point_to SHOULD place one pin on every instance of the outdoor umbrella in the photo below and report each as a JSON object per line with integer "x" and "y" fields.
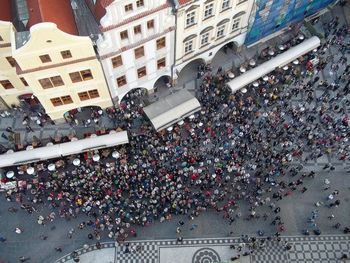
{"x": 30, "y": 170}
{"x": 115, "y": 155}
{"x": 76, "y": 162}
{"x": 51, "y": 167}
{"x": 10, "y": 174}
{"x": 96, "y": 158}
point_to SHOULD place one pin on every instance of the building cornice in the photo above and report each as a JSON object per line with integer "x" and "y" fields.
{"x": 20, "y": 71}
{"x": 136, "y": 17}
{"x": 143, "y": 41}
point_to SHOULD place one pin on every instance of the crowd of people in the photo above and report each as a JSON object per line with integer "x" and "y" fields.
{"x": 246, "y": 146}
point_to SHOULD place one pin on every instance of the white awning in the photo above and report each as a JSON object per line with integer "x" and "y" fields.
{"x": 63, "y": 149}
{"x": 276, "y": 62}
{"x": 172, "y": 109}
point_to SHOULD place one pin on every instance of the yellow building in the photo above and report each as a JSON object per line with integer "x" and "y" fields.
{"x": 11, "y": 85}
{"x": 60, "y": 66}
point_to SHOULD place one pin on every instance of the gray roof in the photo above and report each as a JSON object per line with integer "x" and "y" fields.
{"x": 85, "y": 20}
{"x": 21, "y": 38}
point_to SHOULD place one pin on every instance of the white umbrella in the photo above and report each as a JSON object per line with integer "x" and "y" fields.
{"x": 51, "y": 167}
{"x": 252, "y": 62}
{"x": 265, "y": 78}
{"x": 244, "y": 90}
{"x": 30, "y": 170}
{"x": 49, "y": 144}
{"x": 181, "y": 122}
{"x": 191, "y": 117}
{"x": 296, "y": 62}
{"x": 29, "y": 147}
{"x": 100, "y": 112}
{"x": 170, "y": 128}
{"x": 285, "y": 68}
{"x": 74, "y": 139}
{"x": 76, "y": 162}
{"x": 10, "y": 151}
{"x": 242, "y": 69}
{"x": 115, "y": 155}
{"x": 271, "y": 52}
{"x": 231, "y": 75}
{"x": 10, "y": 174}
{"x": 112, "y": 132}
{"x": 96, "y": 157}
{"x": 301, "y": 37}
{"x": 256, "y": 84}
{"x": 281, "y": 47}
{"x": 200, "y": 124}
{"x": 314, "y": 50}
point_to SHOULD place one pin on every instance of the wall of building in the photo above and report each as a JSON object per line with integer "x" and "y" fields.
{"x": 230, "y": 17}
{"x": 9, "y": 96}
{"x": 47, "y": 40}
{"x": 274, "y": 15}
{"x": 111, "y": 44}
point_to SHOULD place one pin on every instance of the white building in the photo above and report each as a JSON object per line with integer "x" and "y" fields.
{"x": 203, "y": 27}
{"x": 136, "y": 46}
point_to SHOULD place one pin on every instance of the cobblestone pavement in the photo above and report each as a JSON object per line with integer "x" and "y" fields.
{"x": 321, "y": 249}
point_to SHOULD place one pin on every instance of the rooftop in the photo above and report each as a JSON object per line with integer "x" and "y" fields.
{"x": 5, "y": 10}
{"x": 58, "y": 12}
{"x": 84, "y": 19}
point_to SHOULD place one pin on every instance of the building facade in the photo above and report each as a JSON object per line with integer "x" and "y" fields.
{"x": 272, "y": 16}
{"x": 12, "y": 86}
{"x": 203, "y": 27}
{"x": 58, "y": 68}
{"x": 136, "y": 45}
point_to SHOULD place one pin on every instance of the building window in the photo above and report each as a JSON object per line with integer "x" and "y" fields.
{"x": 204, "y": 39}
{"x": 124, "y": 35}
{"x": 11, "y": 61}
{"x": 56, "y": 101}
{"x": 45, "y": 58}
{"x": 225, "y": 4}
{"x": 137, "y": 29}
{"x": 161, "y": 43}
{"x": 6, "y": 84}
{"x": 241, "y": 1}
{"x": 83, "y": 96}
{"x": 139, "y": 52}
{"x": 24, "y": 82}
{"x": 128, "y": 8}
{"x": 86, "y": 95}
{"x": 208, "y": 11}
{"x": 121, "y": 81}
{"x": 117, "y": 61}
{"x": 221, "y": 31}
{"x": 161, "y": 63}
{"x": 66, "y": 54}
{"x": 139, "y": 3}
{"x": 190, "y": 19}
{"x": 150, "y": 24}
{"x": 51, "y": 82}
{"x": 236, "y": 23}
{"x": 188, "y": 46}
{"x": 93, "y": 93}
{"x": 81, "y": 75}
{"x": 66, "y": 99}
{"x": 141, "y": 72}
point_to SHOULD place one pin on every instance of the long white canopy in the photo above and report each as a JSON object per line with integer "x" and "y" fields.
{"x": 276, "y": 62}
{"x": 172, "y": 109}
{"x": 63, "y": 149}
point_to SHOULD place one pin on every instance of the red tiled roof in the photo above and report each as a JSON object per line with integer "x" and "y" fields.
{"x": 5, "y": 10}
{"x": 183, "y": 2}
{"x": 56, "y": 11}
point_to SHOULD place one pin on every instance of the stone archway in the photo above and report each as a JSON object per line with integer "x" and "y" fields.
{"x": 189, "y": 71}
{"x": 162, "y": 84}
{"x": 136, "y": 95}
{"x": 226, "y": 56}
